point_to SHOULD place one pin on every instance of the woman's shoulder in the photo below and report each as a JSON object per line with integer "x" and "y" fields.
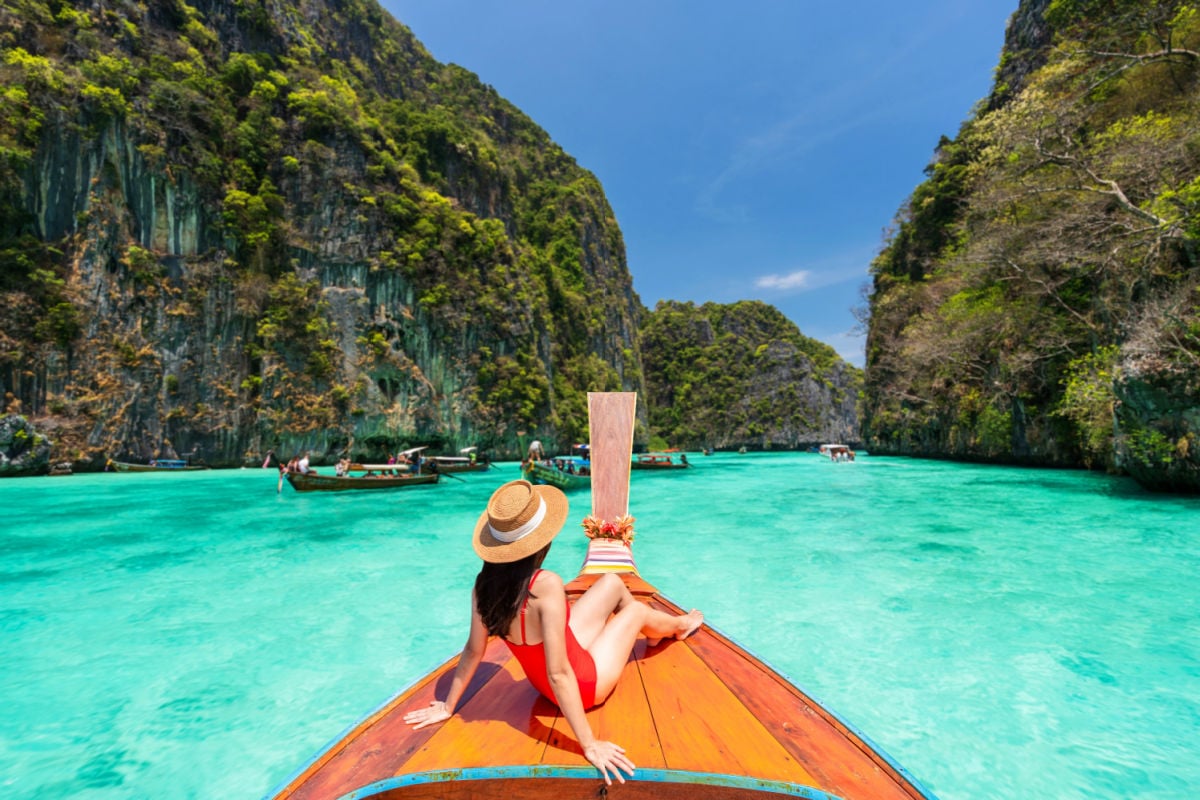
{"x": 547, "y": 580}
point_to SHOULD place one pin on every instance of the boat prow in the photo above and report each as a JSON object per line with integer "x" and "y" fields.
{"x": 700, "y": 717}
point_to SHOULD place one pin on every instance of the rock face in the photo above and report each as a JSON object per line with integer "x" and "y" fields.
{"x": 742, "y": 375}
{"x": 23, "y": 451}
{"x": 1157, "y": 418}
{"x": 1026, "y": 42}
{"x": 226, "y": 228}
{"x": 1039, "y": 299}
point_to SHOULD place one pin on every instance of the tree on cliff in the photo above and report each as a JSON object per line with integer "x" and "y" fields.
{"x": 234, "y": 226}
{"x": 1025, "y": 322}
{"x": 742, "y": 374}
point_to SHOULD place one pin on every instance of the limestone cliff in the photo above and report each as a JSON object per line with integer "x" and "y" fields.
{"x": 1038, "y": 301}
{"x": 742, "y": 375}
{"x": 23, "y": 450}
{"x": 228, "y": 227}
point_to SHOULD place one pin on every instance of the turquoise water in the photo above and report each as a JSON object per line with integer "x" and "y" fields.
{"x": 1000, "y": 632}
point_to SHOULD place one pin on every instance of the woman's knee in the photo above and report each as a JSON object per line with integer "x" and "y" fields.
{"x": 610, "y": 586}
{"x": 611, "y": 582}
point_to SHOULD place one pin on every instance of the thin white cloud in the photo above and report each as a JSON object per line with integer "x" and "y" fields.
{"x": 785, "y": 283}
{"x": 849, "y": 265}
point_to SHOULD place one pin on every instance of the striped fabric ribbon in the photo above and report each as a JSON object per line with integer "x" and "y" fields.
{"x": 608, "y": 555}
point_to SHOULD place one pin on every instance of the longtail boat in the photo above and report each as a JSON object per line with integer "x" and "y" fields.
{"x": 700, "y": 718}
{"x": 566, "y": 472}
{"x": 155, "y": 465}
{"x": 374, "y": 477}
{"x": 836, "y": 452}
{"x": 452, "y": 464}
{"x": 660, "y": 461}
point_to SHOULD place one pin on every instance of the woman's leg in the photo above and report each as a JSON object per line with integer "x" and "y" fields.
{"x": 611, "y": 648}
{"x": 592, "y": 610}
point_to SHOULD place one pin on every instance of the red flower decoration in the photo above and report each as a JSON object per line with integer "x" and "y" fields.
{"x": 620, "y": 529}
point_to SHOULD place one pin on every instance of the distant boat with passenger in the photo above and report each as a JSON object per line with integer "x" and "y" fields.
{"x": 566, "y": 472}
{"x": 837, "y": 452}
{"x": 470, "y": 461}
{"x": 360, "y": 476}
{"x": 668, "y": 460}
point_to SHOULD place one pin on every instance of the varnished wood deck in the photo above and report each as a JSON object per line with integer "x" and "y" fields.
{"x": 702, "y": 715}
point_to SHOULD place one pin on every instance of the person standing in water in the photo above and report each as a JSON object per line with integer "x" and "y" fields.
{"x": 572, "y": 654}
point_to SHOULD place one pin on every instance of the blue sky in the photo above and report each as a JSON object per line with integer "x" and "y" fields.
{"x": 757, "y": 150}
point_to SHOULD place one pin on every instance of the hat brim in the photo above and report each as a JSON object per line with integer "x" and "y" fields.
{"x": 491, "y": 549}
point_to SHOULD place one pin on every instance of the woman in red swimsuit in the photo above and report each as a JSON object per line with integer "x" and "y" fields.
{"x": 573, "y": 655}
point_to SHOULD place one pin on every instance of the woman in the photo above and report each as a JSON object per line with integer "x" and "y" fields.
{"x": 573, "y": 655}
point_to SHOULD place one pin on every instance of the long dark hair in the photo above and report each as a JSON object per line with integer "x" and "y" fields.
{"x": 501, "y": 588}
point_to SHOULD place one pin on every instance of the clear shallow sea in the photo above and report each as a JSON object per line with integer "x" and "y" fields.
{"x": 1002, "y": 633}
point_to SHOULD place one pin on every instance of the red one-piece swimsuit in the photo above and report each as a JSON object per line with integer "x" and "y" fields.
{"x": 533, "y": 660}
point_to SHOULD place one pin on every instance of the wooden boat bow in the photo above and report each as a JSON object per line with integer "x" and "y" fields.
{"x": 700, "y": 718}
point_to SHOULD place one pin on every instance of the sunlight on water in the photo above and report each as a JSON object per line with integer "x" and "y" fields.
{"x": 1000, "y": 632}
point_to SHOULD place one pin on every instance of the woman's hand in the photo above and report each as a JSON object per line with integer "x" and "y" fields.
{"x": 436, "y": 712}
{"x": 606, "y": 756}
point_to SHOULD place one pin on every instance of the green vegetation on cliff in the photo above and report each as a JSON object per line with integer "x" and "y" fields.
{"x": 1038, "y": 299}
{"x": 227, "y": 226}
{"x": 743, "y": 375}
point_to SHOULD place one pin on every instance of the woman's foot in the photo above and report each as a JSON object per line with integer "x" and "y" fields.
{"x": 689, "y": 624}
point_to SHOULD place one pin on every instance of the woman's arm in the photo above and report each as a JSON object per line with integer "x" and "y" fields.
{"x": 468, "y": 662}
{"x": 550, "y": 609}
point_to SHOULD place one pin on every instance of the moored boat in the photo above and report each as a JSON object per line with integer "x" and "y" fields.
{"x": 155, "y": 465}
{"x": 470, "y": 462}
{"x": 566, "y": 472}
{"x": 700, "y": 718}
{"x": 373, "y": 477}
{"x": 660, "y": 461}
{"x": 837, "y": 452}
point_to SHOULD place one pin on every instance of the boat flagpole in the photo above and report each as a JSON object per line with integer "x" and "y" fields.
{"x": 611, "y": 416}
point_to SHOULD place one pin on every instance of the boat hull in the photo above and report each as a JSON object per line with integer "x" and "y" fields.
{"x": 121, "y": 466}
{"x": 332, "y": 483}
{"x": 451, "y": 468}
{"x": 659, "y": 461}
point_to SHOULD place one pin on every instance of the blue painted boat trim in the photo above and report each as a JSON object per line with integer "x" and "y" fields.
{"x": 588, "y": 774}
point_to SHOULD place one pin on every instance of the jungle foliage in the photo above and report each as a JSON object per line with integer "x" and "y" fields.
{"x": 739, "y": 373}
{"x": 279, "y": 115}
{"x": 1045, "y": 271}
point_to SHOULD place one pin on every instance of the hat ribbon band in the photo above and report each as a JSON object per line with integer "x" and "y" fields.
{"x": 508, "y": 537}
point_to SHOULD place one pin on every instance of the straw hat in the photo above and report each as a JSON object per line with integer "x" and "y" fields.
{"x": 520, "y": 520}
